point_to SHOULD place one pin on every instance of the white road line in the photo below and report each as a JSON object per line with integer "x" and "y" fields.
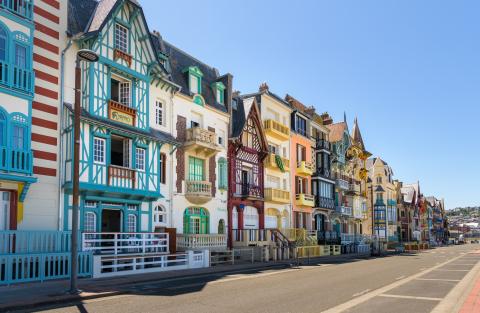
{"x": 409, "y": 297}
{"x": 360, "y": 293}
{"x": 445, "y": 270}
{"x": 401, "y": 277}
{"x": 437, "y": 279}
{"x": 462, "y": 264}
{"x": 361, "y": 299}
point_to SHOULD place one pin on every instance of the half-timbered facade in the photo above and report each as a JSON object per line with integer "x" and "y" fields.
{"x": 120, "y": 151}
{"x": 247, "y": 149}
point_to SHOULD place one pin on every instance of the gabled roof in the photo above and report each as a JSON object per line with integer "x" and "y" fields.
{"x": 299, "y": 106}
{"x": 180, "y": 60}
{"x": 379, "y": 189}
{"x": 356, "y": 135}
{"x": 336, "y": 131}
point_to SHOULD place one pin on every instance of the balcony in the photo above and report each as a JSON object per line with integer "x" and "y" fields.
{"x": 248, "y": 190}
{"x": 201, "y": 241}
{"x": 325, "y": 203}
{"x": 12, "y": 160}
{"x": 354, "y": 187}
{"x": 305, "y": 168}
{"x": 198, "y": 192}
{"x": 121, "y": 113}
{"x": 15, "y": 77}
{"x": 251, "y": 237}
{"x": 276, "y": 162}
{"x": 121, "y": 177}
{"x": 277, "y": 195}
{"x": 202, "y": 142}
{"x": 302, "y": 199}
{"x": 345, "y": 210}
{"x": 323, "y": 171}
{"x": 23, "y": 8}
{"x": 322, "y": 144}
{"x": 276, "y": 130}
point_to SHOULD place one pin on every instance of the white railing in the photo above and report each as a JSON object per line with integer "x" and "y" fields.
{"x": 199, "y": 188}
{"x": 342, "y": 184}
{"x": 108, "y": 266}
{"x": 202, "y": 135}
{"x": 125, "y": 243}
{"x": 197, "y": 241}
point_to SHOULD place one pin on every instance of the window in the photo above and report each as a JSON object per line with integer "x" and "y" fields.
{"x": 194, "y": 84}
{"x": 195, "y": 169}
{"x": 221, "y": 226}
{"x": 3, "y": 129}
{"x": 301, "y": 153}
{"x": 121, "y": 38}
{"x": 220, "y": 95}
{"x": 99, "y": 150}
{"x": 120, "y": 91}
{"x": 379, "y": 179}
{"x": 132, "y": 223}
{"x": 222, "y": 174}
{"x": 196, "y": 221}
{"x": 140, "y": 159}
{"x": 159, "y": 113}
{"x": 18, "y": 137}
{"x": 379, "y": 197}
{"x": 221, "y": 138}
{"x": 20, "y": 56}
{"x": 3, "y": 45}
{"x": 163, "y": 168}
{"x": 159, "y": 214}
{"x": 90, "y": 222}
{"x": 300, "y": 125}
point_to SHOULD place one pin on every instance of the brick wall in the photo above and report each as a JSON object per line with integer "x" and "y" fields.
{"x": 212, "y": 165}
{"x": 181, "y": 137}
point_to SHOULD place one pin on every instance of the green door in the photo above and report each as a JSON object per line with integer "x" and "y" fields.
{"x": 196, "y": 221}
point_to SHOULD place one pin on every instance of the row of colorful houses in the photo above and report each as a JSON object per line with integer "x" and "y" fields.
{"x": 167, "y": 145}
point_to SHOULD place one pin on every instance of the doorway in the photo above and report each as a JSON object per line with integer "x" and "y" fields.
{"x": 5, "y": 210}
{"x": 120, "y": 151}
{"x": 111, "y": 221}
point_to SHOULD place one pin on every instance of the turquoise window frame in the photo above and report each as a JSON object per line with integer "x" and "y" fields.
{"x": 199, "y": 213}
{"x": 194, "y": 72}
{"x": 219, "y": 89}
{"x": 222, "y": 174}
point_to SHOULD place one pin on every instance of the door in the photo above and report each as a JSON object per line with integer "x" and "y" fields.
{"x": 250, "y": 215}
{"x": 111, "y": 221}
{"x": 271, "y": 221}
{"x": 5, "y": 210}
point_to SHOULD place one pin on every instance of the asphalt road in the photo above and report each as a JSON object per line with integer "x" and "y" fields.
{"x": 401, "y": 283}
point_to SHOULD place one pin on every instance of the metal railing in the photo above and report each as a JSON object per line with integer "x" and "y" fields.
{"x": 125, "y": 243}
{"x": 322, "y": 144}
{"x": 327, "y": 203}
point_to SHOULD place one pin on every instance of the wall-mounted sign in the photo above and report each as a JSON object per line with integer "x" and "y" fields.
{"x": 121, "y": 117}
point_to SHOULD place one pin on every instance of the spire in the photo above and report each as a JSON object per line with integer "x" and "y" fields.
{"x": 356, "y": 135}
{"x": 345, "y": 117}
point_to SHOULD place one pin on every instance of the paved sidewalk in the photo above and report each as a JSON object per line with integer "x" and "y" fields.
{"x": 472, "y": 302}
{"x": 29, "y": 295}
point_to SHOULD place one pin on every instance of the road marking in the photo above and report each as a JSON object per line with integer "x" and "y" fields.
{"x": 361, "y": 299}
{"x": 401, "y": 277}
{"x": 438, "y": 279}
{"x": 360, "y": 293}
{"x": 463, "y": 264}
{"x": 445, "y": 270}
{"x": 409, "y": 297}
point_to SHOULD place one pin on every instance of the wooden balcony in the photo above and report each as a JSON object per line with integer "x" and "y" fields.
{"x": 277, "y": 195}
{"x": 276, "y": 130}
{"x": 121, "y": 113}
{"x": 198, "y": 192}
{"x": 202, "y": 142}
{"x": 276, "y": 162}
{"x": 302, "y": 199}
{"x": 119, "y": 54}
{"x": 201, "y": 241}
{"x": 121, "y": 177}
{"x": 305, "y": 168}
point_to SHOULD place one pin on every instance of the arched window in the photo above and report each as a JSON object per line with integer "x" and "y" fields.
{"x": 132, "y": 223}
{"x": 196, "y": 221}
{"x": 19, "y": 131}
{"x": 3, "y": 45}
{"x": 222, "y": 174}
{"x": 3, "y": 129}
{"x": 221, "y": 226}
{"x": 90, "y": 222}
{"x": 159, "y": 215}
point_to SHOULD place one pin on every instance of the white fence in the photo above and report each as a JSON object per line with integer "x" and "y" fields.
{"x": 116, "y": 265}
{"x": 201, "y": 241}
{"x": 125, "y": 243}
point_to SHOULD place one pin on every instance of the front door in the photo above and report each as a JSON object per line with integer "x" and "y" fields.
{"x": 4, "y": 210}
{"x": 111, "y": 221}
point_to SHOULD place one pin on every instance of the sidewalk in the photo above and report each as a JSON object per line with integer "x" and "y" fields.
{"x": 472, "y": 302}
{"x": 29, "y": 295}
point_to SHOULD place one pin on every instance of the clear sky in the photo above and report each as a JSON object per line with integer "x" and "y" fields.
{"x": 410, "y": 71}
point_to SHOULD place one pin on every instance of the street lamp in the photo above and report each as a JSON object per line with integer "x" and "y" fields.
{"x": 88, "y": 56}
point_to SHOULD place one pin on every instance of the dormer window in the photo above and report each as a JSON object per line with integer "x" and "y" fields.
{"x": 121, "y": 38}
{"x": 194, "y": 79}
{"x": 219, "y": 89}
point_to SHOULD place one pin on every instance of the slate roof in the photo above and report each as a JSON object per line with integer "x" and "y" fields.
{"x": 102, "y": 11}
{"x": 258, "y": 97}
{"x": 80, "y": 12}
{"x": 336, "y": 131}
{"x": 238, "y": 117}
{"x": 153, "y": 134}
{"x": 180, "y": 60}
{"x": 356, "y": 135}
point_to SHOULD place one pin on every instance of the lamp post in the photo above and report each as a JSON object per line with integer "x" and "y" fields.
{"x": 88, "y": 56}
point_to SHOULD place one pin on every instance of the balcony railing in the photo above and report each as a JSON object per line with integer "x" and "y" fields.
{"x": 328, "y": 237}
{"x": 276, "y": 162}
{"x": 198, "y": 192}
{"x": 202, "y": 141}
{"x": 305, "y": 168}
{"x": 23, "y": 8}
{"x": 13, "y": 160}
{"x": 354, "y": 187}
{"x": 325, "y": 203}
{"x": 247, "y": 190}
{"x": 303, "y": 199}
{"x": 247, "y": 237}
{"x": 16, "y": 77}
{"x": 121, "y": 177}
{"x": 276, "y": 129}
{"x": 322, "y": 144}
{"x": 345, "y": 210}
{"x": 324, "y": 172}
{"x": 277, "y": 195}
{"x": 201, "y": 241}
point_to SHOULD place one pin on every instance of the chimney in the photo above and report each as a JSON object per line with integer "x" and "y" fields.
{"x": 310, "y": 110}
{"x": 326, "y": 118}
{"x": 235, "y": 94}
{"x": 263, "y": 87}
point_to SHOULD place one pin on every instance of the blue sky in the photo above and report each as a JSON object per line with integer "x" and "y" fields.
{"x": 410, "y": 71}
